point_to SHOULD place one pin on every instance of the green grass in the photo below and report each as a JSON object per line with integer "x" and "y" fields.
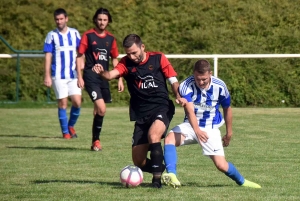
{"x": 37, "y": 164}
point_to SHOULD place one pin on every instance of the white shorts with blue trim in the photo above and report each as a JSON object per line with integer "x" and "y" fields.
{"x": 64, "y": 88}
{"x": 213, "y": 146}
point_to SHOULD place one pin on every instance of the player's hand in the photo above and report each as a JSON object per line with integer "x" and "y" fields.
{"x": 181, "y": 101}
{"x": 202, "y": 136}
{"x": 48, "y": 81}
{"x": 226, "y": 140}
{"x": 120, "y": 85}
{"x": 98, "y": 68}
{"x": 80, "y": 83}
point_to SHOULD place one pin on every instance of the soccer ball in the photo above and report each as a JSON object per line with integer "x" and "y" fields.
{"x": 131, "y": 176}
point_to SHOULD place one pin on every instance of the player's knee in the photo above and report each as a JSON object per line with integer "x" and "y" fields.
{"x": 170, "y": 138}
{"x": 223, "y": 167}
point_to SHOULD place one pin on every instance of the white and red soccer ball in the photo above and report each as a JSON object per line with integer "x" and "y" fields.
{"x": 131, "y": 176}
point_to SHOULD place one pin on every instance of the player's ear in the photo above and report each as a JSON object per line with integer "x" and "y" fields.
{"x": 143, "y": 47}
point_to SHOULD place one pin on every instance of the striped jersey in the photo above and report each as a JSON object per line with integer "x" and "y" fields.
{"x": 63, "y": 47}
{"x": 206, "y": 101}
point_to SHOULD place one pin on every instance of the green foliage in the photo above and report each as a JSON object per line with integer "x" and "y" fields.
{"x": 172, "y": 27}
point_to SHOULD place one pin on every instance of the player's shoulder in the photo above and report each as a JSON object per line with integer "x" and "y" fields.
{"x": 217, "y": 81}
{"x": 53, "y": 31}
{"x": 90, "y": 31}
{"x": 109, "y": 34}
{"x": 153, "y": 53}
{"x": 188, "y": 81}
{"x": 73, "y": 29}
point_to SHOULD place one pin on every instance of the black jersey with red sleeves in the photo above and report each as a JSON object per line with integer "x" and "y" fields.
{"x": 146, "y": 83}
{"x": 97, "y": 50}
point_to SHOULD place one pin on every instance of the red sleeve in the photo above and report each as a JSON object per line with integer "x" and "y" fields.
{"x": 83, "y": 44}
{"x": 114, "y": 49}
{"x": 167, "y": 68}
{"x": 121, "y": 67}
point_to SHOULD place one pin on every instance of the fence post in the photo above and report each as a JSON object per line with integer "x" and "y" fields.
{"x": 216, "y": 66}
{"x": 18, "y": 77}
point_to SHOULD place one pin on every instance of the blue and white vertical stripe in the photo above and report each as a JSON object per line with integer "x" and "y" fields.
{"x": 206, "y": 101}
{"x": 63, "y": 47}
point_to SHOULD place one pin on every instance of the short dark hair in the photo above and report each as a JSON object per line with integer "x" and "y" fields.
{"x": 60, "y": 11}
{"x": 131, "y": 39}
{"x": 202, "y": 66}
{"x": 102, "y": 11}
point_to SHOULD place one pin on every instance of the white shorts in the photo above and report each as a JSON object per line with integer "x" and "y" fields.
{"x": 213, "y": 146}
{"x": 65, "y": 87}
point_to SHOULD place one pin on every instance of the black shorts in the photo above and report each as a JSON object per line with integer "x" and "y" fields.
{"x": 96, "y": 92}
{"x": 141, "y": 126}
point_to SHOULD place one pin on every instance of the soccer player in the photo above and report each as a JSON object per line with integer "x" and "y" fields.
{"x": 60, "y": 50}
{"x": 96, "y": 46}
{"x": 150, "y": 107}
{"x": 202, "y": 95}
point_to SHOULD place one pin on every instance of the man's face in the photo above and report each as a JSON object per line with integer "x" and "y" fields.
{"x": 61, "y": 21}
{"x": 135, "y": 53}
{"x": 202, "y": 79}
{"x": 101, "y": 22}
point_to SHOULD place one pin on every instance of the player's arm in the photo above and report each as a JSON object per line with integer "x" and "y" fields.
{"x": 189, "y": 111}
{"x": 228, "y": 122}
{"x": 115, "y": 62}
{"x": 107, "y": 75}
{"x": 47, "y": 66}
{"x": 79, "y": 66}
{"x": 170, "y": 74}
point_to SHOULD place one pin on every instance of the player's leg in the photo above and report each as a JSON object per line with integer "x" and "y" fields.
{"x": 140, "y": 147}
{"x": 75, "y": 96}
{"x": 60, "y": 88}
{"x": 95, "y": 94}
{"x": 99, "y": 113}
{"x": 156, "y": 132}
{"x": 232, "y": 172}
{"x": 214, "y": 149}
{"x": 179, "y": 135}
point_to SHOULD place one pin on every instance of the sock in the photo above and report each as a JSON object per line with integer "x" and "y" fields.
{"x": 97, "y": 126}
{"x": 147, "y": 167}
{"x": 234, "y": 174}
{"x": 170, "y": 158}
{"x": 63, "y": 120}
{"x": 74, "y": 114}
{"x": 156, "y": 156}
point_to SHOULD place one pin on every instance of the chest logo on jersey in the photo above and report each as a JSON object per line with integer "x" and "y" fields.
{"x": 150, "y": 67}
{"x": 203, "y": 106}
{"x": 146, "y": 82}
{"x": 101, "y": 54}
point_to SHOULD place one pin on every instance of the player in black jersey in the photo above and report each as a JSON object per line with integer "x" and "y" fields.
{"x": 96, "y": 46}
{"x": 150, "y": 107}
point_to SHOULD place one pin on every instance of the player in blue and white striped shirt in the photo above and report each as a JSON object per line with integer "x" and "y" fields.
{"x": 60, "y": 50}
{"x": 202, "y": 95}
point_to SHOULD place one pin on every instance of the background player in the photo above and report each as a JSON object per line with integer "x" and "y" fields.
{"x": 96, "y": 46}
{"x": 60, "y": 50}
{"x": 150, "y": 107}
{"x": 202, "y": 95}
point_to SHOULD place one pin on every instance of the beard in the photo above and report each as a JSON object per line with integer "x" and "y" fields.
{"x": 101, "y": 27}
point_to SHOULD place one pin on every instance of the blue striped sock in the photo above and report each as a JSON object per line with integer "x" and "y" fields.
{"x": 234, "y": 174}
{"x": 74, "y": 114}
{"x": 63, "y": 120}
{"x": 170, "y": 156}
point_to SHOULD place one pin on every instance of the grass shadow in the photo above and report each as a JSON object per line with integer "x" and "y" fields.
{"x": 117, "y": 185}
{"x": 194, "y": 184}
{"x": 30, "y": 136}
{"x": 45, "y": 148}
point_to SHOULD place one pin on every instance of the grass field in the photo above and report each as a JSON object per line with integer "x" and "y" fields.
{"x": 37, "y": 164}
